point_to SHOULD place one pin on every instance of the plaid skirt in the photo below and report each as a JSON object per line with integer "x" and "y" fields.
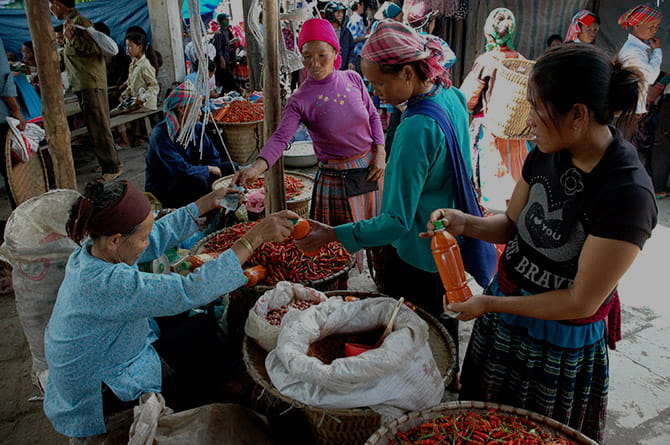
{"x": 330, "y": 204}
{"x": 503, "y": 364}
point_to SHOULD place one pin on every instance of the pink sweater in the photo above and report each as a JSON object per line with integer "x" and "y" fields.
{"x": 338, "y": 114}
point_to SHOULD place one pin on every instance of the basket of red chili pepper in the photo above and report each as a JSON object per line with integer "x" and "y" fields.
{"x": 323, "y": 426}
{"x": 242, "y": 125}
{"x": 283, "y": 260}
{"x": 298, "y": 189}
{"x": 470, "y": 422}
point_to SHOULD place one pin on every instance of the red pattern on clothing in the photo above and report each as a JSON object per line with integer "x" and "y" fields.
{"x": 610, "y": 309}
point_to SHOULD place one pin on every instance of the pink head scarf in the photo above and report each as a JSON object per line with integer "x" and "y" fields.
{"x": 393, "y": 43}
{"x": 321, "y": 30}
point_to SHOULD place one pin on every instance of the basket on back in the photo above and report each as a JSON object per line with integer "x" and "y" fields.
{"x": 508, "y": 107}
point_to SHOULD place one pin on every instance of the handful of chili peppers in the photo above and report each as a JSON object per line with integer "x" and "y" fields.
{"x": 283, "y": 260}
{"x": 292, "y": 185}
{"x": 489, "y": 428}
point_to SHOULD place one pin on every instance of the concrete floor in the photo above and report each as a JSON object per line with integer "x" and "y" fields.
{"x": 639, "y": 405}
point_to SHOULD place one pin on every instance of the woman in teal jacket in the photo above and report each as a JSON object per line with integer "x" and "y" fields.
{"x": 428, "y": 165}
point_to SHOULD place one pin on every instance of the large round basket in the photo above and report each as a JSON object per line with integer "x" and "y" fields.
{"x": 243, "y": 140}
{"x": 299, "y": 204}
{"x": 508, "y": 107}
{"x": 340, "y": 426}
{"x": 387, "y": 433}
{"x": 323, "y": 284}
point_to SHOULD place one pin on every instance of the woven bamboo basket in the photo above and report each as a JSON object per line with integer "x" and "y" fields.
{"x": 26, "y": 180}
{"x": 341, "y": 426}
{"x": 299, "y": 204}
{"x": 323, "y": 284}
{"x": 386, "y": 433}
{"x": 243, "y": 140}
{"x": 508, "y": 108}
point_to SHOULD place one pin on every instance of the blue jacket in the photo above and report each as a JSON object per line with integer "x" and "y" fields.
{"x": 346, "y": 47}
{"x": 167, "y": 160}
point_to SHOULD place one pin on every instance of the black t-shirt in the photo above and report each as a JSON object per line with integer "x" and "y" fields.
{"x": 565, "y": 205}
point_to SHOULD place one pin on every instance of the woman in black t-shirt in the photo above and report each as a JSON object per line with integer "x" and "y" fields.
{"x": 578, "y": 218}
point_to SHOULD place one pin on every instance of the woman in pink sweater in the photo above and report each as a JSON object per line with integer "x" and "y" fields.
{"x": 345, "y": 128}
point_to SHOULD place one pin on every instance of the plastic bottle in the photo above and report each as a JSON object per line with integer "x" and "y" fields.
{"x": 255, "y": 274}
{"x": 302, "y": 229}
{"x": 449, "y": 263}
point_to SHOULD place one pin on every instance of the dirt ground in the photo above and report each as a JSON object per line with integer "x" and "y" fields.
{"x": 639, "y": 408}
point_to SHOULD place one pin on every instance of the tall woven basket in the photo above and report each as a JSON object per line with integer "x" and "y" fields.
{"x": 243, "y": 140}
{"x": 299, "y": 204}
{"x": 28, "y": 179}
{"x": 508, "y": 108}
{"x": 338, "y": 426}
{"x": 387, "y": 433}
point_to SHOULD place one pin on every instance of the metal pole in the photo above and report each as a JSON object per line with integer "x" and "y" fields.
{"x": 275, "y": 196}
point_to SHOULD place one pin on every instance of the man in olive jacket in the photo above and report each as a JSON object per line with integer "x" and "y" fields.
{"x": 85, "y": 65}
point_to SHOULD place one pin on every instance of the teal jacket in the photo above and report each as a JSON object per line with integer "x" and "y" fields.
{"x": 418, "y": 181}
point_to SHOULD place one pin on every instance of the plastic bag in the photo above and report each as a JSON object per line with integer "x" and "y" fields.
{"x": 258, "y": 327}
{"x": 26, "y": 142}
{"x": 400, "y": 375}
{"x": 216, "y": 423}
{"x": 106, "y": 44}
{"x": 37, "y": 247}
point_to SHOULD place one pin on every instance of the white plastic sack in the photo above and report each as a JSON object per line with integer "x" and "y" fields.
{"x": 37, "y": 247}
{"x": 218, "y": 423}
{"x": 106, "y": 44}
{"x": 400, "y": 375}
{"x": 26, "y": 142}
{"x": 258, "y": 327}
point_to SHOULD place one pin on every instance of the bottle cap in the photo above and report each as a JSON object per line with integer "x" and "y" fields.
{"x": 438, "y": 225}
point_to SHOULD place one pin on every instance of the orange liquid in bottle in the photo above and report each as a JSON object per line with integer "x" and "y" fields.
{"x": 449, "y": 263}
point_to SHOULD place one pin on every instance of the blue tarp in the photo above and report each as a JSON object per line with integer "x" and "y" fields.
{"x": 207, "y": 7}
{"x": 118, "y": 15}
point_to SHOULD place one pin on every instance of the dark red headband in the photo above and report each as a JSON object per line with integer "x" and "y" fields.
{"x": 121, "y": 217}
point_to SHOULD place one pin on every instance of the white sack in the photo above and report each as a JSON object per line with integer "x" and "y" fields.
{"x": 37, "y": 247}
{"x": 258, "y": 327}
{"x": 399, "y": 375}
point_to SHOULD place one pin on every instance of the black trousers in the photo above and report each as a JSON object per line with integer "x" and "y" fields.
{"x": 658, "y": 160}
{"x": 422, "y": 288}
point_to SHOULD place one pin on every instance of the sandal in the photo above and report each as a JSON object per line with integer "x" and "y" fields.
{"x": 661, "y": 195}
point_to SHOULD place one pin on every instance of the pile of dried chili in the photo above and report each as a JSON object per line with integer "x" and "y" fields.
{"x": 240, "y": 111}
{"x": 284, "y": 261}
{"x": 292, "y": 185}
{"x": 491, "y": 427}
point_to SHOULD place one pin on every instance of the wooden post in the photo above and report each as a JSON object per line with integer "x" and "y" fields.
{"x": 275, "y": 195}
{"x": 53, "y": 106}
{"x": 166, "y": 29}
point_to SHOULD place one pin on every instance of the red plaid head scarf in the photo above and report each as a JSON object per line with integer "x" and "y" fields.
{"x": 183, "y": 95}
{"x": 583, "y": 17}
{"x": 393, "y": 43}
{"x": 640, "y": 15}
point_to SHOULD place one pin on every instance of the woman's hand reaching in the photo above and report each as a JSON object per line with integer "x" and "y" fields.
{"x": 454, "y": 221}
